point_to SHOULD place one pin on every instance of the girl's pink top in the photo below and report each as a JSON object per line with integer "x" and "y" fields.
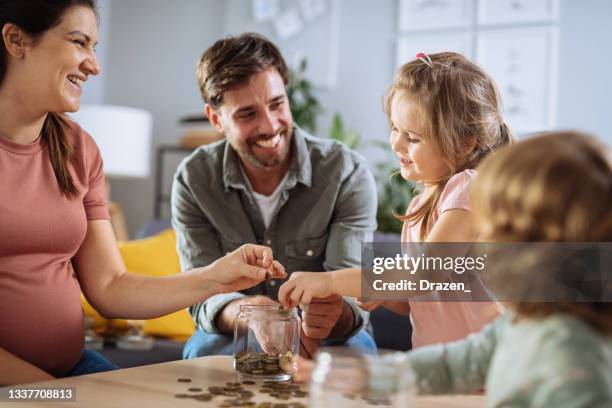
{"x": 439, "y": 321}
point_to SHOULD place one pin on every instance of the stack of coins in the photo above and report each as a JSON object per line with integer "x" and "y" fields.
{"x": 261, "y": 364}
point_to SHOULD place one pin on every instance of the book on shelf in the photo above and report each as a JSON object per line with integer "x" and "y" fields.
{"x": 197, "y": 131}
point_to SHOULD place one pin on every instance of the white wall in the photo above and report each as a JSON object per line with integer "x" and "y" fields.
{"x": 154, "y": 44}
{"x": 95, "y": 86}
{"x": 151, "y": 65}
{"x": 585, "y": 67}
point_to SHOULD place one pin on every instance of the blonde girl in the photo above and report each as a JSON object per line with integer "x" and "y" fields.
{"x": 445, "y": 117}
{"x": 551, "y": 188}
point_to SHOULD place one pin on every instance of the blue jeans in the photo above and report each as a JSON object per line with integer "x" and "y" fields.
{"x": 91, "y": 362}
{"x": 202, "y": 344}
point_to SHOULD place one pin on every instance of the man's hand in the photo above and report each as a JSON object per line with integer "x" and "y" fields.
{"x": 308, "y": 345}
{"x": 399, "y": 307}
{"x": 270, "y": 335}
{"x": 369, "y": 305}
{"x": 320, "y": 316}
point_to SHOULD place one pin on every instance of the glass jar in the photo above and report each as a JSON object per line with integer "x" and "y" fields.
{"x": 266, "y": 337}
{"x": 344, "y": 377}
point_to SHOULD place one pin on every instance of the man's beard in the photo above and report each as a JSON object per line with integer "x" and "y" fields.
{"x": 246, "y": 150}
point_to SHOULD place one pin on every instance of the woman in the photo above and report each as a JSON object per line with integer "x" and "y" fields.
{"x": 55, "y": 234}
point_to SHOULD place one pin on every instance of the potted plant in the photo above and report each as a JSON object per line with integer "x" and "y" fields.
{"x": 305, "y": 107}
{"x": 394, "y": 193}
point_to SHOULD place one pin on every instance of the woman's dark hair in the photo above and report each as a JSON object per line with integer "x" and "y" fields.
{"x": 35, "y": 17}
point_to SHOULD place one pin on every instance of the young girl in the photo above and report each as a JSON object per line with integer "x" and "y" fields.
{"x": 445, "y": 117}
{"x": 556, "y": 187}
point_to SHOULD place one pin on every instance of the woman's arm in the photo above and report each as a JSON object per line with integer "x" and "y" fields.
{"x": 116, "y": 293}
{"x": 17, "y": 371}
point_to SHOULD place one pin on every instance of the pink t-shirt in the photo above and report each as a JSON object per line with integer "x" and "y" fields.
{"x": 40, "y": 231}
{"x": 438, "y": 322}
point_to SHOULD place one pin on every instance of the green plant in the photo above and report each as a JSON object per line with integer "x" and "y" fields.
{"x": 338, "y": 132}
{"x": 394, "y": 193}
{"x": 305, "y": 107}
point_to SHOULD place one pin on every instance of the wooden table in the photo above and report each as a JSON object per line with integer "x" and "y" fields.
{"x": 155, "y": 385}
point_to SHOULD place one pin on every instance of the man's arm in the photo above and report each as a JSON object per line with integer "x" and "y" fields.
{"x": 353, "y": 222}
{"x": 198, "y": 245}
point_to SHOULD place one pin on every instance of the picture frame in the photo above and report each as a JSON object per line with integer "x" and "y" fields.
{"x": 418, "y": 15}
{"x": 317, "y": 41}
{"x": 523, "y": 62}
{"x": 499, "y": 12}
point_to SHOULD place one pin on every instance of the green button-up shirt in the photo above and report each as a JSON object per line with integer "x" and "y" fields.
{"x": 327, "y": 208}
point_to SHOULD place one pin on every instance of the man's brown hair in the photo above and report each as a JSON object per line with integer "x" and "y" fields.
{"x": 232, "y": 61}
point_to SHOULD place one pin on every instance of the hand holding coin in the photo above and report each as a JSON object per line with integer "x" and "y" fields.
{"x": 244, "y": 268}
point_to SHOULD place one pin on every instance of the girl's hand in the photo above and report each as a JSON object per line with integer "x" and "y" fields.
{"x": 244, "y": 268}
{"x": 302, "y": 287}
{"x": 370, "y": 305}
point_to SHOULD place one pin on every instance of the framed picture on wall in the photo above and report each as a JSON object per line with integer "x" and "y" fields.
{"x": 409, "y": 46}
{"x": 308, "y": 29}
{"x": 523, "y": 63}
{"x": 492, "y": 12}
{"x": 417, "y": 15}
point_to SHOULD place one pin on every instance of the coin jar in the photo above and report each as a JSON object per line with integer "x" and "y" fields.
{"x": 346, "y": 377}
{"x": 266, "y": 337}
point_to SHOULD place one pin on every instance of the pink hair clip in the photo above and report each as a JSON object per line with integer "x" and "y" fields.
{"x": 425, "y": 58}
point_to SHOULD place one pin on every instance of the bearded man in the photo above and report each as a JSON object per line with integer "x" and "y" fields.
{"x": 313, "y": 201}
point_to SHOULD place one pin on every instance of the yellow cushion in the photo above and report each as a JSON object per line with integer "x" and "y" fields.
{"x": 154, "y": 256}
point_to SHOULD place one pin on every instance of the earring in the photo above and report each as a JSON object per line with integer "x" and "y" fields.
{"x": 20, "y": 52}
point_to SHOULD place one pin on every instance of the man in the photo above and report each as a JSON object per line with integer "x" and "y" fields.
{"x": 311, "y": 200}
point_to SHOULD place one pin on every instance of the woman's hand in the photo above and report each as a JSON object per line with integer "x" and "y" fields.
{"x": 302, "y": 287}
{"x": 244, "y": 268}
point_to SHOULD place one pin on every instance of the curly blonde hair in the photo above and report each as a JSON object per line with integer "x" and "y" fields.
{"x": 554, "y": 187}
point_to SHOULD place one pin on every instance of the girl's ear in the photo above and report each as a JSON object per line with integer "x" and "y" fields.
{"x": 469, "y": 146}
{"x": 15, "y": 40}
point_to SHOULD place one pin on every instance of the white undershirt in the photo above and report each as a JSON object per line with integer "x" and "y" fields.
{"x": 267, "y": 204}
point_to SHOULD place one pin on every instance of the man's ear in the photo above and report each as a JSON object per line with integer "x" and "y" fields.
{"x": 15, "y": 40}
{"x": 214, "y": 117}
